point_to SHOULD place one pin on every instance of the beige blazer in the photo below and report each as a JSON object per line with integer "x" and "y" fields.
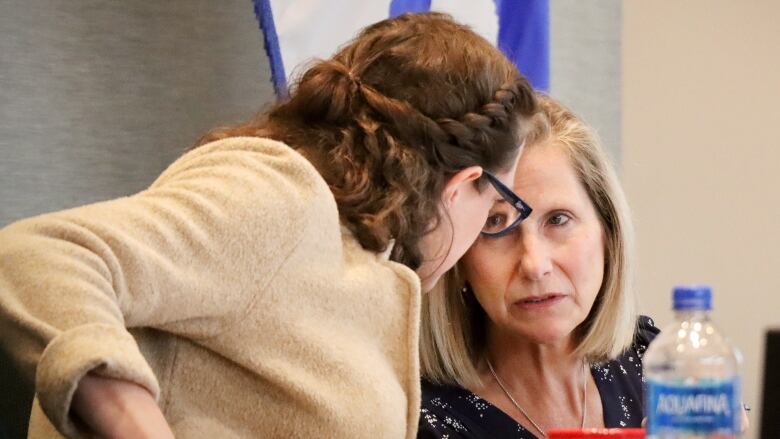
{"x": 230, "y": 291}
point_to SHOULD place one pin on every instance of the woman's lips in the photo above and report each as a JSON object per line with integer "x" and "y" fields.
{"x": 541, "y": 301}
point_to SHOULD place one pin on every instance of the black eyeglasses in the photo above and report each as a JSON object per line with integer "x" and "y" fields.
{"x": 503, "y": 218}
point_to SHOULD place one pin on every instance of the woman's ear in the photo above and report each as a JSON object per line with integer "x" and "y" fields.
{"x": 460, "y": 184}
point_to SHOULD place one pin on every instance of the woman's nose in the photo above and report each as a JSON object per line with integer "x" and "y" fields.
{"x": 535, "y": 258}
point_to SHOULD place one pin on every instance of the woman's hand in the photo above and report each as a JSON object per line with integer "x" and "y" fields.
{"x": 118, "y": 409}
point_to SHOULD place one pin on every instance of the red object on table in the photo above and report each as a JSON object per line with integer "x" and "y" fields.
{"x": 596, "y": 433}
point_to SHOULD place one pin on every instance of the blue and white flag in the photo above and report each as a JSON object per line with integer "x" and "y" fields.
{"x": 297, "y": 31}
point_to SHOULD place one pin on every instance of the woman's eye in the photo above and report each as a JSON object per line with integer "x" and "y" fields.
{"x": 495, "y": 222}
{"x": 559, "y": 219}
{"x": 500, "y": 217}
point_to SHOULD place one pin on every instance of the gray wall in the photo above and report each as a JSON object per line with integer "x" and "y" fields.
{"x": 585, "y": 63}
{"x": 97, "y": 98}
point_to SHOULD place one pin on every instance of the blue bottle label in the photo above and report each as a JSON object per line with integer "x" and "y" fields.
{"x": 711, "y": 407}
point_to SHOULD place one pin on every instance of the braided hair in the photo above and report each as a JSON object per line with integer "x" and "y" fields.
{"x": 392, "y": 115}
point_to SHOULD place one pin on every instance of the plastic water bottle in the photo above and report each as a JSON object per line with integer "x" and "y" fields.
{"x": 692, "y": 374}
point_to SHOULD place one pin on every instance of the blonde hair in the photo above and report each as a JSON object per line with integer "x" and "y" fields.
{"x": 453, "y": 322}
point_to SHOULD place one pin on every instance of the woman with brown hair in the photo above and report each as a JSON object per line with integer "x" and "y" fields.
{"x": 268, "y": 283}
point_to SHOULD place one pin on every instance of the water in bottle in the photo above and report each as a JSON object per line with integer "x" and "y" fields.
{"x": 692, "y": 374}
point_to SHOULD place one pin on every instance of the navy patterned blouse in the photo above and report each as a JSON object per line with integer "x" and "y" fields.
{"x": 453, "y": 412}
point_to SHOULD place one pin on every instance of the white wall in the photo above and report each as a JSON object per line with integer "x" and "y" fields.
{"x": 701, "y": 160}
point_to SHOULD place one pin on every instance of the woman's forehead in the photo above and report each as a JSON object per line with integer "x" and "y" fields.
{"x": 544, "y": 165}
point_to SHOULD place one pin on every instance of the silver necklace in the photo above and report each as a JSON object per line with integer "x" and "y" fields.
{"x": 536, "y": 426}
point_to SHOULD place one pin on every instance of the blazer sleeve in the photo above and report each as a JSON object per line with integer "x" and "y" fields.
{"x": 184, "y": 256}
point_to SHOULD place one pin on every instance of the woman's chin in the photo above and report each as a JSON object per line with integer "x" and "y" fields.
{"x": 548, "y": 333}
{"x": 550, "y": 339}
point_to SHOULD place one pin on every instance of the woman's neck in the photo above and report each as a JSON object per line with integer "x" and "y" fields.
{"x": 535, "y": 367}
{"x": 548, "y": 382}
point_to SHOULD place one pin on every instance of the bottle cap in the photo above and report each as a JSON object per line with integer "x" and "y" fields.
{"x": 692, "y": 298}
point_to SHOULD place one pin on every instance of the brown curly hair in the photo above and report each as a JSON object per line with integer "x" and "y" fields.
{"x": 392, "y": 115}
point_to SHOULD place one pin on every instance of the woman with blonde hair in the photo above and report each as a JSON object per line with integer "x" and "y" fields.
{"x": 536, "y": 328}
{"x": 268, "y": 283}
